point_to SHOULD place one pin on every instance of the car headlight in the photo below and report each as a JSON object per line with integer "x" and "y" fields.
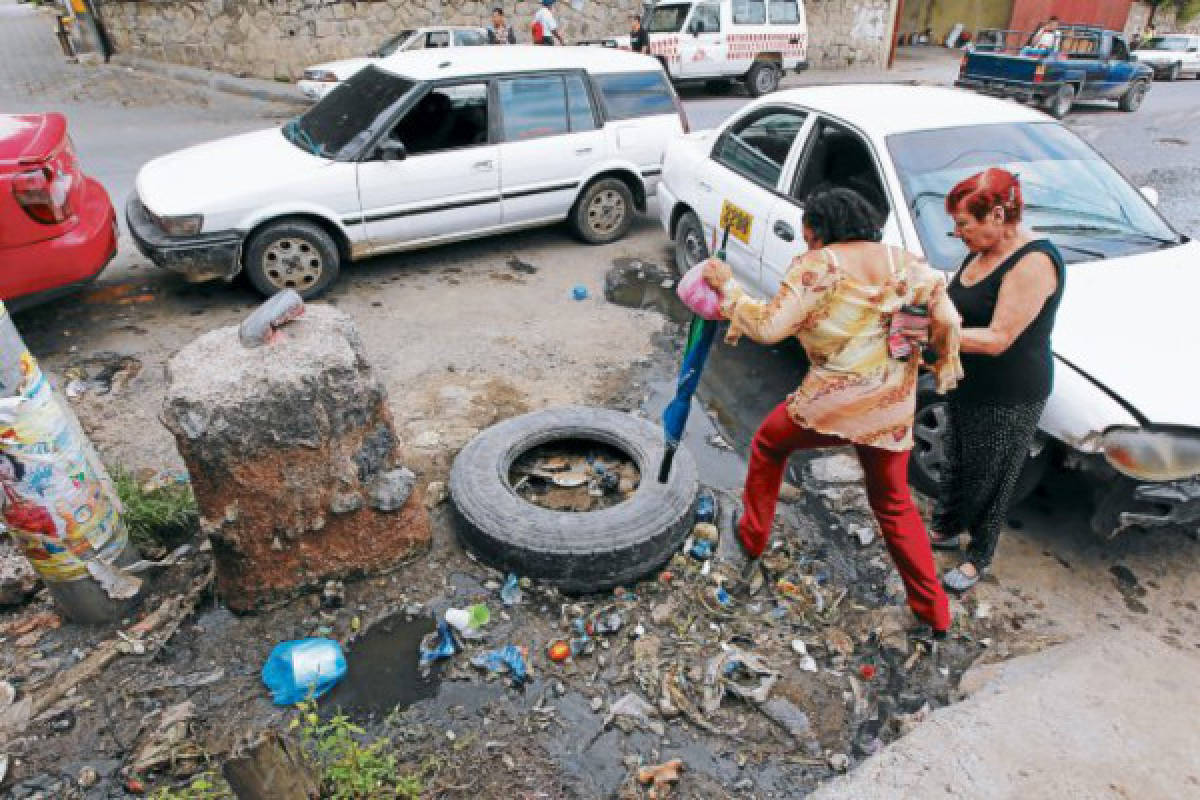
{"x": 185, "y": 225}
{"x": 1153, "y": 455}
{"x": 320, "y": 75}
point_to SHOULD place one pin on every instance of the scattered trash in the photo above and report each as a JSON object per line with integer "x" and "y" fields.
{"x": 660, "y": 777}
{"x": 838, "y": 642}
{"x": 706, "y": 507}
{"x": 135, "y": 786}
{"x": 807, "y": 662}
{"x": 42, "y": 620}
{"x": 333, "y": 595}
{"x": 867, "y": 672}
{"x": 597, "y": 704}
{"x": 510, "y": 659}
{"x": 167, "y": 741}
{"x": 304, "y": 668}
{"x": 437, "y": 644}
{"x": 746, "y": 675}
{"x": 510, "y": 593}
{"x": 982, "y": 611}
{"x": 262, "y": 326}
{"x": 634, "y": 710}
{"x": 468, "y": 621}
{"x": 579, "y": 292}
{"x": 718, "y": 442}
{"x": 784, "y": 714}
{"x": 722, "y": 597}
{"x": 559, "y": 650}
{"x": 839, "y": 762}
{"x": 863, "y": 534}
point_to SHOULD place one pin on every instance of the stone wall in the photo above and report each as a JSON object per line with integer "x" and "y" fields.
{"x": 279, "y": 38}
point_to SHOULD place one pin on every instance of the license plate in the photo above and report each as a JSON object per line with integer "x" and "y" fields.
{"x": 737, "y": 220}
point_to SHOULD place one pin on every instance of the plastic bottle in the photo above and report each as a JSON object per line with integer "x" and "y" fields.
{"x": 706, "y": 507}
{"x": 303, "y": 668}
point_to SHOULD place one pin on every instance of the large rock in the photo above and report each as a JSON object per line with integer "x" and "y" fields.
{"x": 292, "y": 455}
{"x": 17, "y": 578}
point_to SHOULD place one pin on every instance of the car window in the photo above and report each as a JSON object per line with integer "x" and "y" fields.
{"x": 533, "y": 107}
{"x": 392, "y": 44}
{"x": 1080, "y": 46}
{"x": 447, "y": 118}
{"x": 757, "y": 145}
{"x": 838, "y": 158}
{"x": 1072, "y": 195}
{"x": 668, "y": 19}
{"x": 707, "y": 19}
{"x": 749, "y": 12}
{"x": 469, "y": 38}
{"x": 339, "y": 125}
{"x": 437, "y": 39}
{"x": 628, "y": 95}
{"x": 1167, "y": 43}
{"x": 1119, "y": 51}
{"x": 579, "y": 105}
{"x": 783, "y": 12}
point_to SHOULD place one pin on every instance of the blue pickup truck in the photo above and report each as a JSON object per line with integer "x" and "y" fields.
{"x": 1082, "y": 63}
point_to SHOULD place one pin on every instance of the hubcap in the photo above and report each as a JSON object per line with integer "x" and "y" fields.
{"x": 929, "y": 431}
{"x": 292, "y": 263}
{"x": 766, "y": 80}
{"x": 694, "y": 250}
{"x": 606, "y": 211}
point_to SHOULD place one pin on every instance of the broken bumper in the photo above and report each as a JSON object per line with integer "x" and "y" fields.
{"x": 203, "y": 257}
{"x": 1128, "y": 504}
{"x": 1017, "y": 90}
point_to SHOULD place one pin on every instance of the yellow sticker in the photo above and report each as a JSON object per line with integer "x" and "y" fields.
{"x": 737, "y": 220}
{"x": 80, "y": 6}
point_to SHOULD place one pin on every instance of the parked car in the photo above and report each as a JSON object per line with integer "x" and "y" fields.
{"x": 58, "y": 229}
{"x": 753, "y": 41}
{"x": 1122, "y": 409}
{"x": 318, "y": 80}
{"x": 415, "y": 150}
{"x": 1088, "y": 64}
{"x": 1172, "y": 57}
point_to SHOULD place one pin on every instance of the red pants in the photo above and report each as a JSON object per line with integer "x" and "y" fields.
{"x": 887, "y": 492}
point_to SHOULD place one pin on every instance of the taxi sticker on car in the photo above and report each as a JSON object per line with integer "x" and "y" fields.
{"x": 737, "y": 221}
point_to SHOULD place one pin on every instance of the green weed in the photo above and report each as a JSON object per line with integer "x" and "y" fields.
{"x": 205, "y": 786}
{"x": 162, "y": 517}
{"x": 351, "y": 766}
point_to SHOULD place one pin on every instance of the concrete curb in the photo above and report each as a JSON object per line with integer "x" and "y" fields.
{"x": 254, "y": 88}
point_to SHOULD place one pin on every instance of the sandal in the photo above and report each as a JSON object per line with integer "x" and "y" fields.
{"x": 947, "y": 542}
{"x": 958, "y": 581}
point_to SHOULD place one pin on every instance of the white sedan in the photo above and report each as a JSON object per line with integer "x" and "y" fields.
{"x": 320, "y": 79}
{"x": 1124, "y": 406}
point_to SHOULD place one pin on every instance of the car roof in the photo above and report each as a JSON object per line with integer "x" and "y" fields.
{"x": 886, "y": 109}
{"x": 466, "y": 61}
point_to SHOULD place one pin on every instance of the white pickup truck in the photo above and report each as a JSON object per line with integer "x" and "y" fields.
{"x": 754, "y": 41}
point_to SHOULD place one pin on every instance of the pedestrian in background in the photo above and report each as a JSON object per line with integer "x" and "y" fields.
{"x": 545, "y": 27}
{"x": 1007, "y": 292}
{"x": 639, "y": 40}
{"x": 499, "y": 32}
{"x": 839, "y": 300}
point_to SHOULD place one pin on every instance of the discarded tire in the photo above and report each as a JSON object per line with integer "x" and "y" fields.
{"x": 577, "y": 552}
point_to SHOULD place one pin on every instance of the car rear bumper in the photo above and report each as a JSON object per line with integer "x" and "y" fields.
{"x": 1128, "y": 504}
{"x": 203, "y": 257}
{"x": 999, "y": 87}
{"x": 58, "y": 266}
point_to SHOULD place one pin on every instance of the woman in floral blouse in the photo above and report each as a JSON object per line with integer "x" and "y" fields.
{"x": 838, "y": 300}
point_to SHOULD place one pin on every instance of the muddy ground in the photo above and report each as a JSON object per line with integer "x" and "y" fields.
{"x": 509, "y": 338}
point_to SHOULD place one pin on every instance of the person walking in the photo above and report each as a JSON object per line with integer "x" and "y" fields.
{"x": 639, "y": 40}
{"x": 545, "y": 27}
{"x": 838, "y": 300}
{"x": 499, "y": 31}
{"x": 1007, "y": 291}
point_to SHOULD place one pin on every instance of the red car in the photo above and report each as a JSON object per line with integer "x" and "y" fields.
{"x": 58, "y": 229}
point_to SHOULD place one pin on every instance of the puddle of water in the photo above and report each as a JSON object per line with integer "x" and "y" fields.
{"x": 382, "y": 669}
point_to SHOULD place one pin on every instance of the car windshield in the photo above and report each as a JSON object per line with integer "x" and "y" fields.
{"x": 337, "y": 126}
{"x": 1176, "y": 43}
{"x": 392, "y": 44}
{"x": 1072, "y": 195}
{"x": 668, "y": 19}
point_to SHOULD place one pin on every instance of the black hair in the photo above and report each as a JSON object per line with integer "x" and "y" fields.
{"x": 841, "y": 215}
{"x": 17, "y": 467}
{"x": 498, "y": 10}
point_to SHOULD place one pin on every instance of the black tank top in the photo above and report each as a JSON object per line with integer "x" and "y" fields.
{"x": 1024, "y": 372}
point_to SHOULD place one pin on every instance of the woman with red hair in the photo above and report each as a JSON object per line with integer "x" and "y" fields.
{"x": 1007, "y": 292}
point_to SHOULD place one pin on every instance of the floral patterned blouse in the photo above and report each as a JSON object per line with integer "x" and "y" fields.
{"x": 853, "y": 388}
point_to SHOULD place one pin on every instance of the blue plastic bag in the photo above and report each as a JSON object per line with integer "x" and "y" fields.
{"x": 303, "y": 668}
{"x": 437, "y": 645}
{"x": 508, "y": 659}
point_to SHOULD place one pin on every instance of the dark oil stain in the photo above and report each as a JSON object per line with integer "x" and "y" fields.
{"x": 1130, "y": 589}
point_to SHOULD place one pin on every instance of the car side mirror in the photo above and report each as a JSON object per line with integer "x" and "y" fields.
{"x": 1194, "y": 49}
{"x": 392, "y": 150}
{"x": 1151, "y": 195}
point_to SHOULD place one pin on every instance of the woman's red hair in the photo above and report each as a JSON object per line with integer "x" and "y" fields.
{"x": 986, "y": 190}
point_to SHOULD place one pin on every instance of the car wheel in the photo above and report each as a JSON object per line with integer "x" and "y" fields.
{"x": 1133, "y": 97}
{"x": 603, "y": 212}
{"x": 1059, "y": 103}
{"x": 929, "y": 457}
{"x": 574, "y": 551}
{"x": 292, "y": 254}
{"x": 1173, "y": 72}
{"x": 690, "y": 248}
{"x": 763, "y": 78}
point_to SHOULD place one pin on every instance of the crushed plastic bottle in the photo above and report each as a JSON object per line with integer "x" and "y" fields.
{"x": 468, "y": 621}
{"x": 510, "y": 592}
{"x": 302, "y": 669}
{"x": 706, "y": 507}
{"x": 701, "y": 550}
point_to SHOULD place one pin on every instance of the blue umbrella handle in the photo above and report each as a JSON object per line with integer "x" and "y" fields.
{"x": 664, "y": 469}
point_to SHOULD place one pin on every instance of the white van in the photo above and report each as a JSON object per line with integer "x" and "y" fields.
{"x": 755, "y": 41}
{"x": 1172, "y": 56}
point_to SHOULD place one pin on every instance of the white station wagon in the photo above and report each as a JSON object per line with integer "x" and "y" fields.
{"x": 417, "y": 150}
{"x": 1124, "y": 406}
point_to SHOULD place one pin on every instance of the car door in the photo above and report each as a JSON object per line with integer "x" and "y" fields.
{"x": 702, "y": 47}
{"x": 1120, "y": 69}
{"x": 550, "y": 139}
{"x": 740, "y": 189}
{"x": 448, "y": 181}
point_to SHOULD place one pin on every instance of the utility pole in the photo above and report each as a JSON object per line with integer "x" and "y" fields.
{"x": 56, "y": 499}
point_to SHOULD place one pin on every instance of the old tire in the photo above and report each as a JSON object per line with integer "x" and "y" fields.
{"x": 690, "y": 248}
{"x": 1133, "y": 97}
{"x": 763, "y": 78}
{"x": 603, "y": 212}
{"x": 576, "y": 552}
{"x": 1058, "y": 105}
{"x": 292, "y": 254}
